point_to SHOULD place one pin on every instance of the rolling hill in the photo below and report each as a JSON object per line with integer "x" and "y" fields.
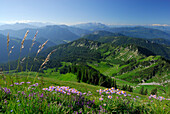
{"x": 128, "y": 62}
{"x": 154, "y": 45}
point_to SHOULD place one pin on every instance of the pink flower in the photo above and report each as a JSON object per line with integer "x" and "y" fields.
{"x": 101, "y": 99}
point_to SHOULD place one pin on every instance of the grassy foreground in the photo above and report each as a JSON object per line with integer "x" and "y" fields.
{"x": 20, "y": 94}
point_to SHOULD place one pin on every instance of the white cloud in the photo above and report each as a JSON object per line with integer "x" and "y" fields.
{"x": 159, "y": 25}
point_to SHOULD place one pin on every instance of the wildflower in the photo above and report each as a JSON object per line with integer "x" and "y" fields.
{"x": 109, "y": 97}
{"x": 17, "y": 100}
{"x": 101, "y": 99}
{"x": 33, "y": 85}
{"x": 41, "y": 95}
{"x": 16, "y": 83}
{"x": 104, "y": 104}
{"x": 68, "y": 93}
{"x": 50, "y": 90}
{"x": 28, "y": 82}
{"x": 84, "y": 93}
{"x": 45, "y": 88}
{"x": 11, "y": 111}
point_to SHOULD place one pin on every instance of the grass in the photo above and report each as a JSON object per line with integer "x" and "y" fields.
{"x": 52, "y": 92}
{"x": 35, "y": 99}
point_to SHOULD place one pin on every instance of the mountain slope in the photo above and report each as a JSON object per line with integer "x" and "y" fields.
{"x": 151, "y": 45}
{"x": 129, "y": 62}
{"x": 54, "y": 33}
{"x": 16, "y": 50}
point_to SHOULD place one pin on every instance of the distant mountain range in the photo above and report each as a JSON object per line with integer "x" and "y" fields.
{"x": 18, "y": 26}
{"x": 155, "y": 40}
{"x": 58, "y": 33}
{"x": 16, "y": 50}
{"x": 54, "y": 33}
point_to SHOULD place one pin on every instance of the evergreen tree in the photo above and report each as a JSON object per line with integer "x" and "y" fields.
{"x": 123, "y": 87}
{"x": 146, "y": 91}
{"x": 126, "y": 87}
{"x": 154, "y": 91}
{"x": 78, "y": 75}
{"x": 131, "y": 89}
{"x": 142, "y": 91}
{"x": 115, "y": 85}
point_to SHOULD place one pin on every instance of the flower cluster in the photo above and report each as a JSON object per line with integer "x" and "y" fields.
{"x": 155, "y": 97}
{"x": 111, "y": 91}
{"x": 63, "y": 89}
{"x": 16, "y": 83}
{"x": 7, "y": 91}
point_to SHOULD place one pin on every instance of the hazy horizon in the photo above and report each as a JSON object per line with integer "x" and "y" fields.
{"x": 70, "y": 12}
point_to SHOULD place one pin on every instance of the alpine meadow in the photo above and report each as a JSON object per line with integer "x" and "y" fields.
{"x": 85, "y": 57}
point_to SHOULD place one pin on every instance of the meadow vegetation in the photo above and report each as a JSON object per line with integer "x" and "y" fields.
{"x": 77, "y": 88}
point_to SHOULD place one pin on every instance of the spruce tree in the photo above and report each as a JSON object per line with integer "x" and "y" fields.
{"x": 146, "y": 91}
{"x": 78, "y": 75}
{"x": 142, "y": 91}
{"x": 126, "y": 87}
{"x": 115, "y": 85}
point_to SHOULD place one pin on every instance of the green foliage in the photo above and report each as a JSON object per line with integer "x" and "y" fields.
{"x": 87, "y": 74}
{"x": 146, "y": 92}
{"x": 127, "y": 88}
{"x": 154, "y": 91}
{"x": 142, "y": 91}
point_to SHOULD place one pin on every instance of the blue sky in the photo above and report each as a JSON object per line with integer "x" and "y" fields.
{"x": 77, "y": 11}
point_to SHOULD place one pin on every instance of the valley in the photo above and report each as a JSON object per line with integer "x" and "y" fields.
{"x": 99, "y": 66}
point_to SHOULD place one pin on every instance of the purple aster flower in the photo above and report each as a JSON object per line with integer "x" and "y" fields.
{"x": 109, "y": 97}
{"x": 68, "y": 93}
{"x": 45, "y": 88}
{"x": 36, "y": 84}
{"x": 101, "y": 99}
{"x": 16, "y": 83}
{"x": 41, "y": 95}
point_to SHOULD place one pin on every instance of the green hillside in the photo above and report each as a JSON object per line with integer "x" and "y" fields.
{"x": 152, "y": 45}
{"x": 87, "y": 76}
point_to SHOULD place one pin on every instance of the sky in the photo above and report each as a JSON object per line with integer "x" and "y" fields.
{"x": 83, "y": 11}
